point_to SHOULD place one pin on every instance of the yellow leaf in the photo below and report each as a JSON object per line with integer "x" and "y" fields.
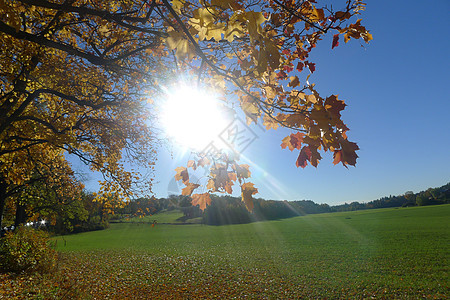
{"x": 254, "y": 20}
{"x": 248, "y": 189}
{"x": 311, "y": 98}
{"x": 294, "y": 81}
{"x": 182, "y": 174}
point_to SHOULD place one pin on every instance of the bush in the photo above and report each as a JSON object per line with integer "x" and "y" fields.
{"x": 26, "y": 249}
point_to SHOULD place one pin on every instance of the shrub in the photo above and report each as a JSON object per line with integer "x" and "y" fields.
{"x": 26, "y": 249}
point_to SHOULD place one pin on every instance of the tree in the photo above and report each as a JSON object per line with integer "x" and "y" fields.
{"x": 261, "y": 48}
{"x": 75, "y": 76}
{"x": 70, "y": 77}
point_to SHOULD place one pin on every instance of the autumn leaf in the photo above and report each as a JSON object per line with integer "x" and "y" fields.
{"x": 335, "y": 41}
{"x": 221, "y": 178}
{"x": 294, "y": 81}
{"x": 337, "y": 156}
{"x": 254, "y": 21}
{"x": 311, "y": 98}
{"x": 270, "y": 123}
{"x": 333, "y": 105}
{"x": 242, "y": 171}
{"x": 349, "y": 155}
{"x": 342, "y": 15}
{"x": 182, "y": 174}
{"x": 303, "y": 157}
{"x": 248, "y": 189}
{"x": 190, "y": 187}
{"x": 315, "y": 156}
{"x": 202, "y": 200}
{"x": 293, "y": 141}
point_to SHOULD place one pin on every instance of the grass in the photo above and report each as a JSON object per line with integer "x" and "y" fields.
{"x": 385, "y": 253}
{"x": 166, "y": 217}
{"x": 171, "y": 216}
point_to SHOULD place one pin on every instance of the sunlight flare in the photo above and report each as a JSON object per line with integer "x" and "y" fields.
{"x": 193, "y": 117}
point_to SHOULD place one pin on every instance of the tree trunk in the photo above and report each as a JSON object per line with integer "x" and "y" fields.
{"x": 2, "y": 200}
{"x": 21, "y": 215}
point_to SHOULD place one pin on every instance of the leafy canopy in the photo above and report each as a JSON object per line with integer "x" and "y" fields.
{"x": 75, "y": 76}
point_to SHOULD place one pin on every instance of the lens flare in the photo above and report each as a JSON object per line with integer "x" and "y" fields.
{"x": 193, "y": 117}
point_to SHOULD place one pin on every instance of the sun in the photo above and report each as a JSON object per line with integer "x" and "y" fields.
{"x": 193, "y": 117}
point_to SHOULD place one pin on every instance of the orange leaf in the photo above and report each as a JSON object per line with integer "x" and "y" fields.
{"x": 293, "y": 141}
{"x": 248, "y": 189}
{"x": 201, "y": 200}
{"x": 337, "y": 155}
{"x": 190, "y": 187}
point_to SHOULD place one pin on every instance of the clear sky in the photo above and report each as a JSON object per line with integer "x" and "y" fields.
{"x": 397, "y": 91}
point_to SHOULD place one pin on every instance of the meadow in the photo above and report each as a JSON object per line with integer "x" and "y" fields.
{"x": 384, "y": 254}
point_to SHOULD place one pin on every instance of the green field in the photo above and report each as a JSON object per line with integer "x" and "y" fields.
{"x": 385, "y": 253}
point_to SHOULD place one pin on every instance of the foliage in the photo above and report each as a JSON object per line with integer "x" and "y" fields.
{"x": 260, "y": 52}
{"x": 380, "y": 254}
{"x": 76, "y": 76}
{"x": 26, "y": 249}
{"x": 52, "y": 192}
{"x": 71, "y": 83}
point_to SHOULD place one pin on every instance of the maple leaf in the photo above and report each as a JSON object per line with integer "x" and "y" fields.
{"x": 293, "y": 141}
{"x": 269, "y": 122}
{"x": 311, "y": 66}
{"x": 250, "y": 108}
{"x": 334, "y": 106}
{"x": 337, "y": 156}
{"x": 311, "y": 98}
{"x": 190, "y": 187}
{"x": 349, "y": 155}
{"x": 254, "y": 21}
{"x": 303, "y": 157}
{"x": 182, "y": 174}
{"x": 335, "y": 41}
{"x": 242, "y": 171}
{"x": 297, "y": 120}
{"x": 202, "y": 200}
{"x": 315, "y": 156}
{"x": 342, "y": 15}
{"x": 248, "y": 190}
{"x": 294, "y": 81}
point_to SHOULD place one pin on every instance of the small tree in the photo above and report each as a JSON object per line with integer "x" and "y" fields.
{"x": 26, "y": 249}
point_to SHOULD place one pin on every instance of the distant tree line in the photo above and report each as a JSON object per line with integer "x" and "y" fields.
{"x": 431, "y": 196}
{"x": 70, "y": 215}
{"x": 231, "y": 210}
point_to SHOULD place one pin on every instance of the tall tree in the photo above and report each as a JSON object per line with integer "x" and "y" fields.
{"x": 75, "y": 74}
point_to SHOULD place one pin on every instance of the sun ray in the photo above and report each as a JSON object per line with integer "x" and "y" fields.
{"x": 193, "y": 117}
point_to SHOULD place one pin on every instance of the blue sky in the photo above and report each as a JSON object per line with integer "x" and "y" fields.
{"x": 398, "y": 110}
